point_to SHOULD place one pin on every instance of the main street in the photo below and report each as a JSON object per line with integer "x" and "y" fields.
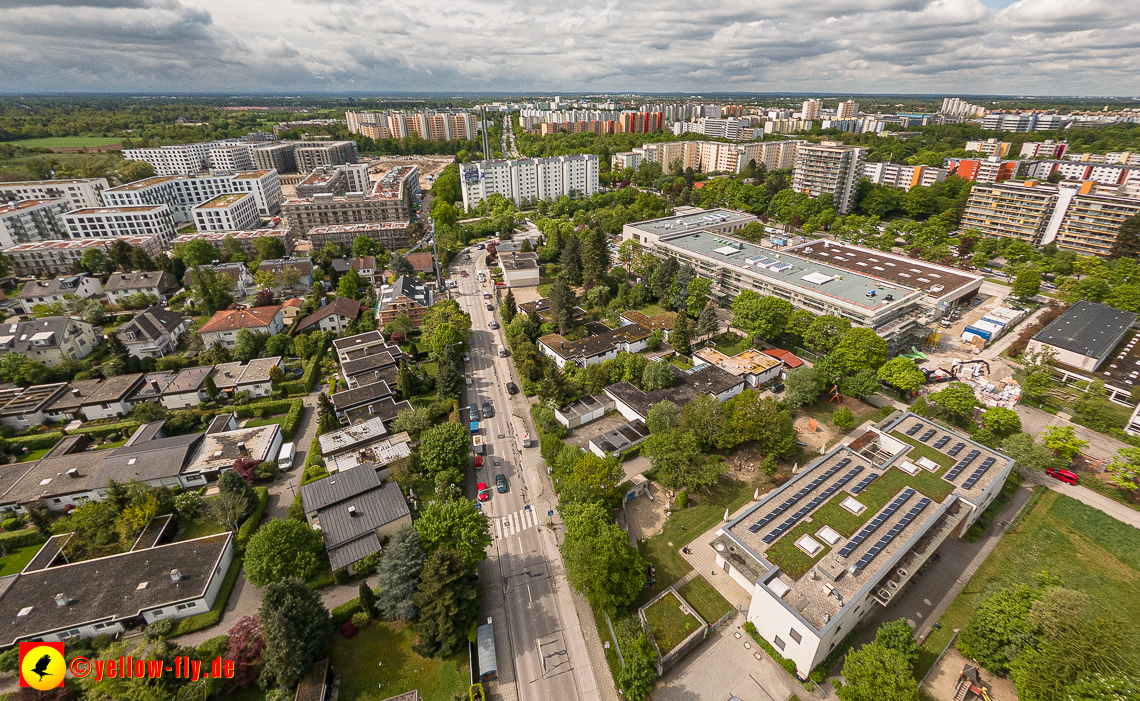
{"x": 542, "y": 653}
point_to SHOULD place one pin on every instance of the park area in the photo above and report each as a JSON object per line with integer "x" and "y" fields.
{"x": 379, "y": 663}
{"x": 68, "y": 142}
{"x": 1085, "y": 548}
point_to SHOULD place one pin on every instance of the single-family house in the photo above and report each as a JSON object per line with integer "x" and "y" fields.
{"x": 594, "y": 349}
{"x": 519, "y": 269}
{"x": 50, "y": 340}
{"x": 238, "y": 272}
{"x": 422, "y": 262}
{"x": 754, "y": 366}
{"x": 335, "y": 316}
{"x": 303, "y": 266}
{"x": 404, "y": 297}
{"x": 223, "y": 326}
{"x": 663, "y": 321}
{"x": 291, "y": 309}
{"x": 25, "y": 407}
{"x": 187, "y": 389}
{"x": 159, "y": 285}
{"x": 58, "y": 289}
{"x": 708, "y": 379}
{"x": 365, "y": 267}
{"x": 354, "y": 512}
{"x": 153, "y": 332}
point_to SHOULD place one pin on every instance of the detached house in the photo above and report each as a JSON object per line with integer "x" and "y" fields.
{"x": 334, "y": 316}
{"x": 159, "y": 285}
{"x": 55, "y": 290}
{"x": 354, "y": 512}
{"x": 187, "y": 389}
{"x": 365, "y": 267}
{"x": 92, "y": 400}
{"x": 403, "y": 298}
{"x": 302, "y": 265}
{"x": 154, "y": 332}
{"x": 223, "y": 326}
{"x": 50, "y": 340}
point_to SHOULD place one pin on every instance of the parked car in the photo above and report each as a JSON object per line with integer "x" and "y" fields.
{"x": 484, "y": 493}
{"x": 501, "y": 483}
{"x": 478, "y": 461}
{"x": 512, "y": 388}
{"x": 490, "y": 308}
{"x": 467, "y": 357}
{"x": 494, "y": 325}
{"x": 1063, "y": 475}
{"x": 488, "y": 410}
{"x": 463, "y": 273}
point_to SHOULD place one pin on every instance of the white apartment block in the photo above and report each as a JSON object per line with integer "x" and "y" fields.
{"x": 811, "y": 109}
{"x": 829, "y": 168}
{"x": 848, "y": 109}
{"x": 80, "y": 192}
{"x": 182, "y": 193}
{"x": 710, "y": 156}
{"x": 627, "y": 159}
{"x": 1044, "y": 149}
{"x": 787, "y": 126}
{"x": 957, "y": 107}
{"x": 1127, "y": 158}
{"x": 530, "y": 178}
{"x": 312, "y": 155}
{"x": 116, "y": 222}
{"x": 233, "y": 212}
{"x": 1105, "y": 174}
{"x": 903, "y": 177}
{"x": 990, "y": 147}
{"x": 183, "y": 159}
{"x": 45, "y": 258}
{"x": 33, "y": 220}
{"x": 231, "y": 158}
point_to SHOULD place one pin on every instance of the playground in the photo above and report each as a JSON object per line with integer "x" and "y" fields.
{"x": 813, "y": 422}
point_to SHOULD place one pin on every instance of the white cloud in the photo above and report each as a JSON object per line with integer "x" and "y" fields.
{"x": 922, "y": 46}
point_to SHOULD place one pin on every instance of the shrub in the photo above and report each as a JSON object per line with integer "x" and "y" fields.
{"x": 121, "y": 429}
{"x": 251, "y": 524}
{"x": 159, "y": 629}
{"x": 345, "y": 611}
{"x": 266, "y": 471}
{"x": 309, "y": 378}
{"x": 22, "y": 538}
{"x": 36, "y": 442}
{"x": 682, "y": 500}
{"x": 342, "y": 576}
{"x": 360, "y": 620}
{"x": 293, "y": 418}
{"x": 10, "y": 524}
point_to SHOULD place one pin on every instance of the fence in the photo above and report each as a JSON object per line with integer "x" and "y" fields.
{"x": 725, "y": 619}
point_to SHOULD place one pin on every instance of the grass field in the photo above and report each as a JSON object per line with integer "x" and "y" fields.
{"x": 34, "y": 455}
{"x": 202, "y": 527}
{"x": 1089, "y": 551}
{"x": 670, "y": 626}
{"x": 18, "y": 560}
{"x": 707, "y": 601}
{"x": 731, "y": 348}
{"x": 267, "y": 421}
{"x": 358, "y": 661}
{"x": 68, "y": 141}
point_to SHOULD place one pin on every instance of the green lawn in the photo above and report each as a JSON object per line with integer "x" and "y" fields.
{"x": 652, "y": 310}
{"x": 920, "y": 450}
{"x": 202, "y": 527}
{"x": 685, "y": 525}
{"x": 34, "y": 455}
{"x": 733, "y": 347}
{"x": 681, "y": 362}
{"x": 266, "y": 421}
{"x": 670, "y": 626}
{"x": 11, "y": 564}
{"x": 430, "y": 369}
{"x": 114, "y": 444}
{"x": 68, "y": 141}
{"x": 1089, "y": 551}
{"x": 707, "y": 601}
{"x": 544, "y": 289}
{"x": 358, "y": 661}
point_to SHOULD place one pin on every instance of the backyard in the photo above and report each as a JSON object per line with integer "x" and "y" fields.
{"x": 379, "y": 663}
{"x": 18, "y": 559}
{"x": 707, "y": 601}
{"x": 1087, "y": 549}
{"x": 670, "y": 624}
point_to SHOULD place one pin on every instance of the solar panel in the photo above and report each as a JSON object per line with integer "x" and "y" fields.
{"x": 914, "y": 429}
{"x": 928, "y": 435}
{"x": 878, "y": 521}
{"x": 962, "y": 465}
{"x": 942, "y": 441}
{"x": 790, "y": 501}
{"x": 890, "y": 535}
{"x": 953, "y": 452}
{"x": 864, "y": 482}
{"x": 816, "y": 501}
{"x": 986, "y": 464}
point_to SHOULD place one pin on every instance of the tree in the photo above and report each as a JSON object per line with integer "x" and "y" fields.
{"x": 248, "y": 345}
{"x": 902, "y": 373}
{"x": 195, "y": 253}
{"x": 455, "y": 525}
{"x": 265, "y": 280}
{"x": 1003, "y": 422}
{"x": 367, "y": 598}
{"x": 365, "y": 246}
{"x": 278, "y": 345}
{"x": 294, "y": 624}
{"x": 442, "y": 312}
{"x": 245, "y": 647}
{"x": 699, "y": 289}
{"x": 412, "y": 421}
{"x": 1027, "y": 283}
{"x": 877, "y": 673}
{"x": 399, "y": 575}
{"x": 570, "y": 262}
{"x": 1127, "y": 242}
{"x": 1102, "y": 687}
{"x": 957, "y": 398}
{"x": 657, "y": 375}
{"x": 679, "y": 461}
{"x": 680, "y": 336}
{"x": 897, "y": 635}
{"x": 707, "y": 322}
{"x": 801, "y": 387}
{"x": 233, "y": 483}
{"x": 282, "y": 548}
{"x": 599, "y": 561}
{"x": 702, "y": 416}
{"x": 842, "y": 417}
{"x": 509, "y": 308}
{"x": 326, "y": 414}
{"x": 662, "y": 416}
{"x": 448, "y": 600}
{"x": 825, "y": 332}
{"x": 443, "y": 451}
{"x": 211, "y": 388}
{"x": 93, "y": 313}
{"x": 1063, "y": 441}
{"x": 861, "y": 349}
{"x": 1029, "y": 454}
{"x": 350, "y": 284}
{"x": 562, "y": 302}
{"x": 602, "y": 475}
{"x": 1036, "y": 386}
{"x": 269, "y": 248}
{"x": 640, "y": 669}
{"x": 998, "y": 628}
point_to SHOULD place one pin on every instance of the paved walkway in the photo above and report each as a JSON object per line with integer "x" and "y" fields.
{"x": 1034, "y": 422}
{"x": 703, "y": 559}
{"x": 723, "y": 667}
{"x": 1113, "y": 508}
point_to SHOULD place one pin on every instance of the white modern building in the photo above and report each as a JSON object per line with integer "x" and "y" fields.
{"x": 902, "y": 177}
{"x": 182, "y": 193}
{"x": 530, "y": 178}
{"x": 829, "y": 168}
{"x": 32, "y": 220}
{"x": 182, "y": 159}
{"x": 81, "y": 192}
{"x": 716, "y": 156}
{"x": 231, "y": 158}
{"x": 113, "y": 222}
{"x": 233, "y": 212}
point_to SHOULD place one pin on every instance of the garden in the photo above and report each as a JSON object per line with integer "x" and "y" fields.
{"x": 670, "y": 622}
{"x": 379, "y": 663}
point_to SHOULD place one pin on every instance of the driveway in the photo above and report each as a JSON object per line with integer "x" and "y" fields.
{"x": 1115, "y": 509}
{"x": 722, "y": 667}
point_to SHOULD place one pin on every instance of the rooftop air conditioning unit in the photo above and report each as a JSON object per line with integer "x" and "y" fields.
{"x": 61, "y": 600}
{"x": 175, "y": 575}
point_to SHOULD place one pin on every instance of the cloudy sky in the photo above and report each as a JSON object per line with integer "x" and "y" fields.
{"x": 1064, "y": 47}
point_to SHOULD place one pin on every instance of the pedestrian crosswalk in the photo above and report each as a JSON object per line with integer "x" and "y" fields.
{"x": 515, "y": 522}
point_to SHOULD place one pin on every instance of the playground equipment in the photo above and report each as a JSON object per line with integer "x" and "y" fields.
{"x": 969, "y": 682}
{"x": 834, "y": 395}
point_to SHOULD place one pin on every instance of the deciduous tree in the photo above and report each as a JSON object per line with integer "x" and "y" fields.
{"x": 861, "y": 349}
{"x": 455, "y": 525}
{"x": 599, "y": 561}
{"x": 903, "y": 374}
{"x": 282, "y": 548}
{"x": 877, "y": 673}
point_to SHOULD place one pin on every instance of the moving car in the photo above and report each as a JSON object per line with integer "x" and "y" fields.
{"x": 463, "y": 273}
{"x": 488, "y": 410}
{"x": 1063, "y": 475}
{"x": 490, "y": 308}
{"x": 501, "y": 483}
{"x": 512, "y": 388}
{"x": 484, "y": 493}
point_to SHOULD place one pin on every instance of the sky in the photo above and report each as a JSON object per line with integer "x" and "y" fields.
{"x": 974, "y": 47}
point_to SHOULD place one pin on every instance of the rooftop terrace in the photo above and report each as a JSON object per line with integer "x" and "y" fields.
{"x": 691, "y": 222}
{"x": 224, "y": 200}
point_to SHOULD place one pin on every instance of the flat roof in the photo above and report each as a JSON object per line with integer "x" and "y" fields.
{"x": 148, "y": 182}
{"x": 225, "y": 200}
{"x": 114, "y": 210}
{"x": 695, "y": 221}
{"x": 220, "y": 450}
{"x": 936, "y": 280}
{"x": 863, "y": 505}
{"x": 353, "y": 436}
{"x": 1090, "y": 329}
{"x": 358, "y": 228}
{"x": 67, "y": 244}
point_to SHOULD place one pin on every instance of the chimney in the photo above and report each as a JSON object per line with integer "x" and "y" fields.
{"x": 351, "y": 511}
{"x": 243, "y": 450}
{"x": 73, "y": 473}
{"x": 175, "y": 575}
{"x": 61, "y": 600}
{"x": 75, "y": 391}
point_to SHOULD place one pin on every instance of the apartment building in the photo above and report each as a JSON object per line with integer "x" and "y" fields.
{"x": 230, "y": 158}
{"x": 446, "y": 125}
{"x": 46, "y": 258}
{"x": 116, "y": 222}
{"x": 404, "y": 297}
{"x": 1126, "y": 158}
{"x": 1018, "y": 210}
{"x": 626, "y": 159}
{"x": 990, "y": 147}
{"x": 1044, "y": 149}
{"x": 33, "y": 220}
{"x": 57, "y": 290}
{"x": 278, "y": 157}
{"x": 310, "y": 156}
{"x": 393, "y": 235}
{"x": 989, "y": 170}
{"x": 83, "y": 192}
{"x": 848, "y": 109}
{"x": 829, "y": 168}
{"x": 399, "y": 190}
{"x": 1103, "y": 173}
{"x": 811, "y": 109}
{"x": 302, "y": 215}
{"x": 530, "y": 178}
{"x": 787, "y": 126}
{"x": 336, "y": 180}
{"x": 247, "y": 239}
{"x": 956, "y": 106}
{"x": 641, "y": 122}
{"x": 182, "y": 193}
{"x": 233, "y": 212}
{"x": 902, "y": 177}
{"x": 183, "y": 159}
{"x": 1092, "y": 222}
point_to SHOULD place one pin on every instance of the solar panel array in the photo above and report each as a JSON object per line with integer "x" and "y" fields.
{"x": 969, "y": 484}
{"x": 790, "y": 501}
{"x": 890, "y": 535}
{"x": 878, "y": 521}
{"x": 914, "y": 429}
{"x": 962, "y": 465}
{"x": 816, "y": 501}
{"x": 953, "y": 452}
{"x": 864, "y": 482}
{"x": 928, "y": 435}
{"x": 941, "y": 442}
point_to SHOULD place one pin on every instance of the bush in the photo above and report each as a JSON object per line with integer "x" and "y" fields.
{"x": 346, "y": 611}
{"x": 22, "y": 538}
{"x": 10, "y": 524}
{"x": 266, "y": 471}
{"x": 360, "y": 620}
{"x": 293, "y": 418}
{"x": 36, "y": 442}
{"x": 108, "y": 430}
{"x": 682, "y": 500}
{"x": 788, "y": 665}
{"x": 309, "y": 378}
{"x": 342, "y": 576}
{"x": 253, "y": 521}
{"x": 159, "y": 629}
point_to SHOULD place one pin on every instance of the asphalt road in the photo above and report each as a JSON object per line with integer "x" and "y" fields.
{"x": 526, "y": 603}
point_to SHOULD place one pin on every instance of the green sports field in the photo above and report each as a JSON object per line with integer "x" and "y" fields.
{"x": 68, "y": 142}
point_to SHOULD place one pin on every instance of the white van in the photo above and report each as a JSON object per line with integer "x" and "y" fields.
{"x": 502, "y": 351}
{"x": 285, "y": 457}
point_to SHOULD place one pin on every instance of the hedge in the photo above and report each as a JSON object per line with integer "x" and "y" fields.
{"x": 253, "y": 521}
{"x": 342, "y": 613}
{"x": 788, "y": 665}
{"x": 293, "y": 418}
{"x": 106, "y": 430}
{"x": 14, "y": 540}
{"x": 309, "y": 378}
{"x": 293, "y": 387}
{"x": 36, "y": 442}
{"x": 260, "y": 409}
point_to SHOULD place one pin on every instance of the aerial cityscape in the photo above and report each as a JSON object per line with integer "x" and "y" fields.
{"x": 716, "y": 353}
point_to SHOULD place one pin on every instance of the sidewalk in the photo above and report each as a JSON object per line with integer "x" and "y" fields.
{"x": 1120, "y": 512}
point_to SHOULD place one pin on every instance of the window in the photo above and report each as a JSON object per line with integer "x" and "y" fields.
{"x": 779, "y": 643}
{"x": 796, "y": 635}
{"x": 183, "y": 607}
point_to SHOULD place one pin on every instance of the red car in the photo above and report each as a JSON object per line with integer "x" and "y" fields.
{"x": 463, "y": 273}
{"x": 1063, "y": 475}
{"x": 484, "y": 493}
{"x": 478, "y": 461}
